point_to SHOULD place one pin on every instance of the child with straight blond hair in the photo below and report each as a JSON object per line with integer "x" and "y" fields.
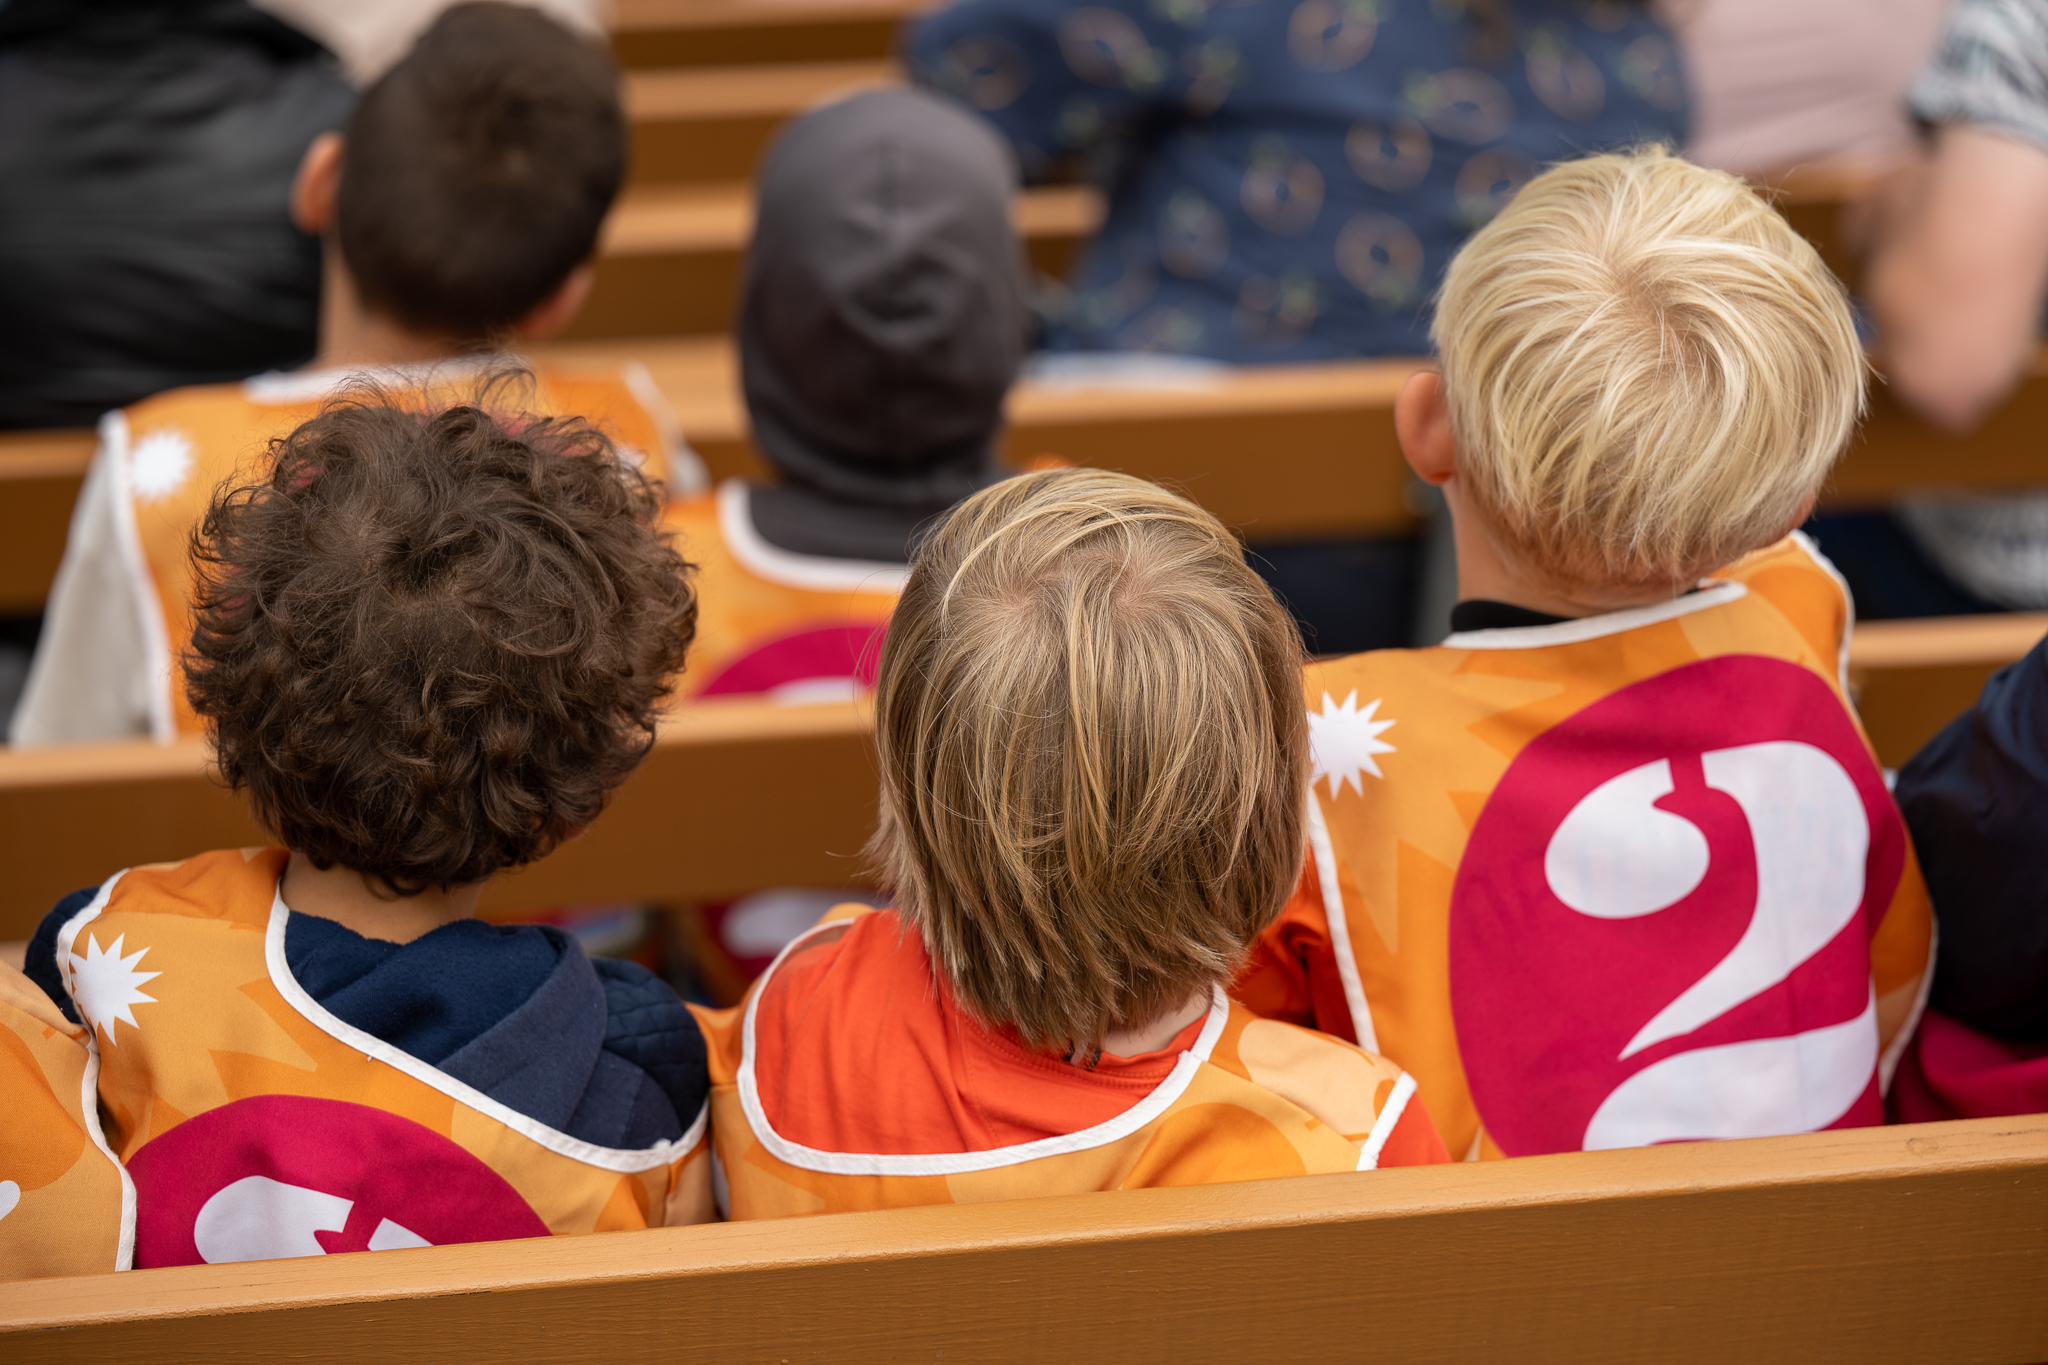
{"x": 1092, "y": 802}
{"x": 1613, "y": 864}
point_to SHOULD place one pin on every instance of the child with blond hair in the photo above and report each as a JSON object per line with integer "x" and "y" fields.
{"x": 1614, "y": 864}
{"x": 1092, "y": 802}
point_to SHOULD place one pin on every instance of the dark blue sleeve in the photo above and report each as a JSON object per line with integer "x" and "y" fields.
{"x": 40, "y": 965}
{"x": 1976, "y": 799}
{"x": 649, "y": 1026}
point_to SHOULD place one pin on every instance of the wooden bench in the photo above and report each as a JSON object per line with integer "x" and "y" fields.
{"x": 671, "y": 33}
{"x": 709, "y": 124}
{"x": 735, "y": 795}
{"x": 669, "y": 257}
{"x": 1878, "y": 1245}
{"x": 1912, "y": 677}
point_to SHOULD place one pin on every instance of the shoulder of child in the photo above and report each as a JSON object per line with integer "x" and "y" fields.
{"x": 1360, "y": 1094}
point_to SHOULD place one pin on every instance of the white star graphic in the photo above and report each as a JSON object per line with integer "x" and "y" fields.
{"x": 1342, "y": 742}
{"x": 104, "y": 985}
{"x": 159, "y": 464}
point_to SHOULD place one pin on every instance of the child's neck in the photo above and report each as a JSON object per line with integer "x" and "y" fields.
{"x": 1136, "y": 1042}
{"x": 1484, "y": 575}
{"x": 354, "y": 336}
{"x": 350, "y": 900}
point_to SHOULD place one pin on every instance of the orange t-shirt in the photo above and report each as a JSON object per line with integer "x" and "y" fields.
{"x": 1622, "y": 880}
{"x": 851, "y": 1079}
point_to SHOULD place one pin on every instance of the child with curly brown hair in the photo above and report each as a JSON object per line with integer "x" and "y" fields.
{"x": 428, "y": 645}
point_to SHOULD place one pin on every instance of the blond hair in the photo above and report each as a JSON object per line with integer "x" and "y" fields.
{"x": 1094, "y": 755}
{"x": 1649, "y": 373}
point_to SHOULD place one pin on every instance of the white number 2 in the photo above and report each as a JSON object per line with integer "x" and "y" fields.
{"x": 1616, "y": 856}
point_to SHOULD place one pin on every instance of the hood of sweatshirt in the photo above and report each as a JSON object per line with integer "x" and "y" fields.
{"x": 882, "y": 320}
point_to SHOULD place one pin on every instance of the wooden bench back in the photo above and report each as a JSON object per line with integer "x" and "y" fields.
{"x": 736, "y": 795}
{"x": 1875, "y": 1245}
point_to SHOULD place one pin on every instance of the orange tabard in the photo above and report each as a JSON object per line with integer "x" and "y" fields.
{"x": 172, "y": 450}
{"x": 255, "y": 1124}
{"x": 771, "y": 621}
{"x": 1615, "y": 881}
{"x": 850, "y": 1079}
{"x": 62, "y": 1194}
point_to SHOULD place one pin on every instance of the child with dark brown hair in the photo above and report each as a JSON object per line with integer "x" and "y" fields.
{"x": 429, "y": 644}
{"x": 457, "y": 215}
{"x": 1093, "y": 788}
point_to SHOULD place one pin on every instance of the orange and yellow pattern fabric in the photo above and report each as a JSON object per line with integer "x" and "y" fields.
{"x": 769, "y": 621}
{"x": 254, "y": 1124}
{"x": 1615, "y": 881}
{"x": 850, "y": 1079}
{"x": 172, "y": 450}
{"x": 62, "y": 1194}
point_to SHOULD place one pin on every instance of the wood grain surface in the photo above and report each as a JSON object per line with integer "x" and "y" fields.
{"x": 736, "y": 795}
{"x": 670, "y": 33}
{"x": 1911, "y": 1244}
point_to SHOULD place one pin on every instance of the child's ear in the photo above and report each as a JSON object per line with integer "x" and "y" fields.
{"x": 1422, "y": 421}
{"x": 558, "y": 309}
{"x": 317, "y": 185}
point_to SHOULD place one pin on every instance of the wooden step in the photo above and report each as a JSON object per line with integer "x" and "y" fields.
{"x": 709, "y": 125}
{"x": 670, "y": 255}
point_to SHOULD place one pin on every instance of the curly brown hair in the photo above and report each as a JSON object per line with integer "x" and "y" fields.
{"x": 430, "y": 642}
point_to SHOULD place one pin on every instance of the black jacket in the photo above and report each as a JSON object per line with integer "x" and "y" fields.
{"x": 147, "y": 151}
{"x": 1976, "y": 799}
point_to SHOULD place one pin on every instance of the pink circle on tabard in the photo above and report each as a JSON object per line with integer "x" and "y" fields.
{"x": 287, "y": 1175}
{"x": 1595, "y": 1023}
{"x": 850, "y": 651}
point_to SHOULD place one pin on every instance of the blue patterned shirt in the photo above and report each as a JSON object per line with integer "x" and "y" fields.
{"x": 1289, "y": 178}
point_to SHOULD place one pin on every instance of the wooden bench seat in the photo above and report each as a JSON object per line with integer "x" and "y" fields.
{"x": 1878, "y": 1245}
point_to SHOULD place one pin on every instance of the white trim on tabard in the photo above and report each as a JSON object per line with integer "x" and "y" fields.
{"x": 89, "y": 1088}
{"x": 1888, "y": 1060}
{"x": 280, "y": 388}
{"x": 960, "y": 1163}
{"x": 1595, "y": 627}
{"x": 149, "y": 607}
{"x": 375, "y": 1048}
{"x": 1362, "y": 1031}
{"x": 687, "y": 476}
{"x": 89, "y": 1105}
{"x": 818, "y": 573}
{"x": 1821, "y": 561}
{"x": 1383, "y": 1127}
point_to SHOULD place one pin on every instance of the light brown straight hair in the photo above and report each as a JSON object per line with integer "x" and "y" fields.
{"x": 1094, "y": 754}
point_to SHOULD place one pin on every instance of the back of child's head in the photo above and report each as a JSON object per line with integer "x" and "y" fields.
{"x": 428, "y": 644}
{"x": 477, "y": 171}
{"x": 882, "y": 318}
{"x": 1094, "y": 754}
{"x": 1649, "y": 373}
